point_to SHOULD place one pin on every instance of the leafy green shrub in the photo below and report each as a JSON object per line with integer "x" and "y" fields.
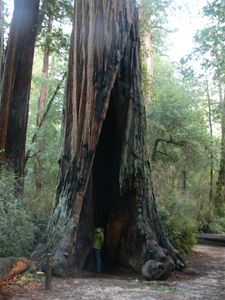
{"x": 205, "y": 219}
{"x": 17, "y": 230}
{"x": 217, "y": 225}
{"x": 39, "y": 202}
{"x": 210, "y": 222}
{"x": 179, "y": 226}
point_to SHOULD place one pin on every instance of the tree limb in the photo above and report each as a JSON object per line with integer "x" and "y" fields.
{"x": 34, "y": 138}
{"x": 170, "y": 141}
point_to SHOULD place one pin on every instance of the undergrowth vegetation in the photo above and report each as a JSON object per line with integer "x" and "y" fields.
{"x": 17, "y": 229}
{"x": 180, "y": 226}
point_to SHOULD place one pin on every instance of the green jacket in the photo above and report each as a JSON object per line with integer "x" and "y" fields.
{"x": 99, "y": 238}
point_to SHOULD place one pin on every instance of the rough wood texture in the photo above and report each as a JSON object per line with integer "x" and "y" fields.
{"x": 104, "y": 175}
{"x": 16, "y": 84}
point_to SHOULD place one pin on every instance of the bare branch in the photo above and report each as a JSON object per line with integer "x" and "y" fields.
{"x": 170, "y": 142}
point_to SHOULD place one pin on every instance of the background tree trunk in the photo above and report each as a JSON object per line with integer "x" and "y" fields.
{"x": 104, "y": 177}
{"x": 184, "y": 181}
{"x": 45, "y": 70}
{"x": 16, "y": 85}
{"x": 148, "y": 58}
{"x": 42, "y": 103}
{"x": 211, "y": 144}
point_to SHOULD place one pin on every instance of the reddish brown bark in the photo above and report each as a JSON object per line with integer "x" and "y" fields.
{"x": 104, "y": 177}
{"x": 16, "y": 84}
{"x": 45, "y": 70}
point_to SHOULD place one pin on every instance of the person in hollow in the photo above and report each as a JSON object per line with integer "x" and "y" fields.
{"x": 98, "y": 244}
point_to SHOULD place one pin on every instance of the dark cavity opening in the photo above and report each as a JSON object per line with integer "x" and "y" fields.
{"x": 106, "y": 167}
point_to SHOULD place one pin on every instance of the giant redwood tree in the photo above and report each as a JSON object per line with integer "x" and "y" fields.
{"x": 16, "y": 84}
{"x": 104, "y": 177}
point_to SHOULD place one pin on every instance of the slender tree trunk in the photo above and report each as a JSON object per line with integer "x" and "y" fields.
{"x": 211, "y": 144}
{"x": 148, "y": 59}
{"x": 104, "y": 177}
{"x": 42, "y": 104}
{"x": 184, "y": 181}
{"x": 16, "y": 85}
{"x": 45, "y": 70}
{"x": 220, "y": 184}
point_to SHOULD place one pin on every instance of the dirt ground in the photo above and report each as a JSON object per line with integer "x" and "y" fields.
{"x": 209, "y": 261}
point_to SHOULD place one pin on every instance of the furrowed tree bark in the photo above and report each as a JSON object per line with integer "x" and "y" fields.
{"x": 16, "y": 85}
{"x": 104, "y": 177}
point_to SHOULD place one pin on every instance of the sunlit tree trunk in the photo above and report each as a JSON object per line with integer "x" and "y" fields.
{"x": 104, "y": 177}
{"x": 148, "y": 60}
{"x": 42, "y": 103}
{"x": 16, "y": 85}
{"x": 45, "y": 70}
{"x": 211, "y": 144}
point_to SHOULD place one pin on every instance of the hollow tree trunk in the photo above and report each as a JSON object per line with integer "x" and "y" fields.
{"x": 16, "y": 85}
{"x": 104, "y": 177}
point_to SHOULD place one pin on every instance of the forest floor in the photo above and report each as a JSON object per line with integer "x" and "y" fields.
{"x": 209, "y": 261}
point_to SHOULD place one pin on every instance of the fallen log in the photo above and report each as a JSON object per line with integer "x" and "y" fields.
{"x": 211, "y": 239}
{"x": 12, "y": 266}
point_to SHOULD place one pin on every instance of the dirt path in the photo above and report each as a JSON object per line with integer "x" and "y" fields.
{"x": 209, "y": 284}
